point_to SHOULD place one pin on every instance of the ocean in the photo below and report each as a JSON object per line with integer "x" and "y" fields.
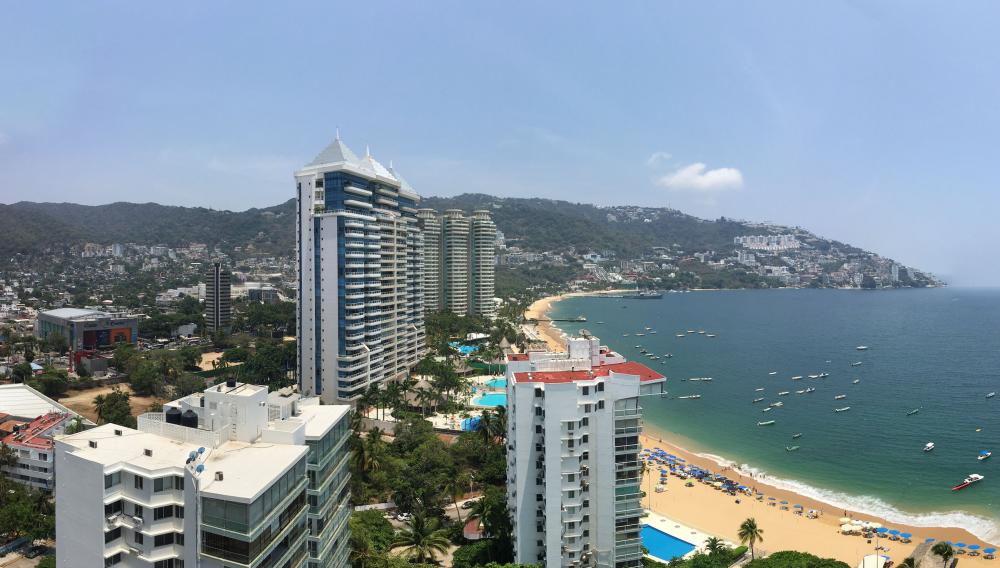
{"x": 936, "y": 350}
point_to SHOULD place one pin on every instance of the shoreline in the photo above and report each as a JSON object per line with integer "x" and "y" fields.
{"x": 545, "y": 330}
{"x": 721, "y": 517}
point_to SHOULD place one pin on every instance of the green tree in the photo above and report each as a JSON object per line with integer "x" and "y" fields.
{"x": 56, "y": 342}
{"x": 715, "y": 545}
{"x": 422, "y": 539}
{"x": 114, "y": 408}
{"x": 187, "y": 384}
{"x": 8, "y": 457}
{"x": 750, "y": 534}
{"x": 146, "y": 377}
{"x": 47, "y": 562}
{"x": 22, "y": 372}
{"x": 371, "y": 536}
{"x": 945, "y": 551}
{"x": 123, "y": 354}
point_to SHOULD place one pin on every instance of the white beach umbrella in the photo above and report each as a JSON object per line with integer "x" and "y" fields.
{"x": 848, "y": 527}
{"x": 845, "y": 519}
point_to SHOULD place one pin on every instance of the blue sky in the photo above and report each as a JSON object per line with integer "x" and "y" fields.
{"x": 872, "y": 122}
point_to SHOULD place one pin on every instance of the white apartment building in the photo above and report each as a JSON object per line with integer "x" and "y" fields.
{"x": 768, "y": 242}
{"x": 230, "y": 477}
{"x": 573, "y": 467}
{"x": 360, "y": 268}
{"x": 459, "y": 261}
{"x": 32, "y": 444}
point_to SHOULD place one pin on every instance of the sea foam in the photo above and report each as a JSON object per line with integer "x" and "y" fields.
{"x": 983, "y": 528}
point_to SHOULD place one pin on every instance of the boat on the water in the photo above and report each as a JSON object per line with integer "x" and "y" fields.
{"x": 624, "y": 335}
{"x": 768, "y": 409}
{"x": 973, "y": 478}
{"x": 912, "y": 412}
{"x": 710, "y": 335}
{"x": 813, "y": 376}
{"x": 690, "y": 396}
{"x": 756, "y": 400}
{"x": 797, "y": 378}
{"x": 810, "y": 389}
{"x": 640, "y": 334}
{"x": 862, "y": 348}
{"x": 840, "y": 397}
{"x": 929, "y": 446}
{"x": 845, "y": 409}
{"x": 824, "y": 375}
{"x": 760, "y": 389}
{"x": 690, "y": 331}
{"x": 791, "y": 448}
{"x": 782, "y": 393}
{"x": 773, "y": 373}
{"x": 646, "y": 295}
{"x": 680, "y": 335}
{"x": 701, "y": 332}
{"x": 856, "y": 364}
{"x": 766, "y": 423}
{"x": 797, "y": 435}
{"x": 855, "y": 381}
{"x": 991, "y": 395}
{"x": 984, "y": 455}
{"x": 776, "y": 404}
{"x": 800, "y": 391}
{"x": 702, "y": 379}
{"x": 599, "y": 323}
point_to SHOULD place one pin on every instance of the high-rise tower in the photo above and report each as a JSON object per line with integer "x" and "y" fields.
{"x": 218, "y": 299}
{"x": 459, "y": 256}
{"x": 360, "y": 263}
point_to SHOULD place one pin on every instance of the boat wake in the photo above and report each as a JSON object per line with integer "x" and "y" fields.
{"x": 983, "y": 528}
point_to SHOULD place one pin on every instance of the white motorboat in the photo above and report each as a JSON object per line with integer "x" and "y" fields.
{"x": 856, "y": 364}
{"x": 773, "y": 373}
{"x": 760, "y": 389}
{"x": 800, "y": 391}
{"x": 973, "y": 478}
{"x": 756, "y": 400}
{"x": 690, "y": 396}
{"x": 797, "y": 378}
{"x": 862, "y": 348}
{"x": 776, "y": 404}
{"x": 984, "y": 455}
{"x": 810, "y": 389}
{"x": 782, "y": 393}
{"x": 845, "y": 409}
{"x": 768, "y": 409}
{"x": 766, "y": 423}
{"x": 840, "y": 396}
{"x": 855, "y": 381}
{"x": 929, "y": 446}
{"x": 991, "y": 395}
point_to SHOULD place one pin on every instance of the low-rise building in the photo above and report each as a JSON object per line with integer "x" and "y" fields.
{"x": 86, "y": 330}
{"x": 32, "y": 444}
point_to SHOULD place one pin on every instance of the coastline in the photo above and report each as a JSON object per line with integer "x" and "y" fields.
{"x": 545, "y": 330}
{"x": 713, "y": 512}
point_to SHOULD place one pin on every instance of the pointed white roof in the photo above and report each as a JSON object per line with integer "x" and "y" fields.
{"x": 336, "y": 153}
{"x": 374, "y": 167}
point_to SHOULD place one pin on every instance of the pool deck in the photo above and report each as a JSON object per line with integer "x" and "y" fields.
{"x": 679, "y": 531}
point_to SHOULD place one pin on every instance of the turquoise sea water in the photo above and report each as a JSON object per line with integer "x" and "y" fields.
{"x": 937, "y": 350}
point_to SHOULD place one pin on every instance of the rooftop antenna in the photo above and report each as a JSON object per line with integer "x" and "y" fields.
{"x": 338, "y": 134}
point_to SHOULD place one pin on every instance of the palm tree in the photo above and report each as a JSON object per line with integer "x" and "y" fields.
{"x": 944, "y": 550}
{"x": 422, "y": 540}
{"x": 714, "y": 545}
{"x": 908, "y": 562}
{"x": 368, "y": 453}
{"x": 750, "y": 534}
{"x": 455, "y": 487}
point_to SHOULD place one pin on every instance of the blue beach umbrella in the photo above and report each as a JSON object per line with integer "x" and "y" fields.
{"x": 974, "y": 547}
{"x": 989, "y": 550}
{"x": 905, "y": 535}
{"x": 784, "y": 502}
{"x": 929, "y": 539}
{"x": 797, "y": 507}
{"x": 771, "y": 499}
{"x": 894, "y": 532}
{"x": 960, "y": 544}
{"x": 881, "y": 530}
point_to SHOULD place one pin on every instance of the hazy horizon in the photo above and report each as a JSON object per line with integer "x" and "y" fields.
{"x": 869, "y": 123}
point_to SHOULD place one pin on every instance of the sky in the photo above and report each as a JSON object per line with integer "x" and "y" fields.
{"x": 875, "y": 123}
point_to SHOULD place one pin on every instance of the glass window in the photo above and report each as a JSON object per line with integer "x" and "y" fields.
{"x": 137, "y": 481}
{"x": 112, "y": 479}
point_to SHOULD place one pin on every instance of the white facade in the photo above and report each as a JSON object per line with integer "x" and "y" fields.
{"x": 573, "y": 471}
{"x": 360, "y": 263}
{"x": 459, "y": 261}
{"x": 244, "y": 479}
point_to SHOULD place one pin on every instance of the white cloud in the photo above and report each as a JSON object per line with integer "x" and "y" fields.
{"x": 697, "y": 178}
{"x": 657, "y": 158}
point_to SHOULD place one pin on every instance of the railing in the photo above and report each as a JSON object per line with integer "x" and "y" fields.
{"x": 155, "y": 423}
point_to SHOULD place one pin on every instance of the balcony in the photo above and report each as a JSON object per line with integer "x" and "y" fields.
{"x": 621, "y": 413}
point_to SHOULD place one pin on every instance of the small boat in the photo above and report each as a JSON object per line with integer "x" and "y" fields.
{"x": 984, "y": 455}
{"x": 912, "y": 412}
{"x": 824, "y": 375}
{"x": 756, "y": 400}
{"x": 856, "y": 364}
{"x": 840, "y": 397}
{"x": 973, "y": 478}
{"x": 855, "y": 381}
{"x": 690, "y": 396}
{"x": 680, "y": 335}
{"x": 776, "y": 404}
{"x": 991, "y": 395}
{"x": 782, "y": 393}
{"x": 647, "y": 328}
{"x": 813, "y": 376}
{"x": 668, "y": 355}
{"x": 759, "y": 390}
{"x": 599, "y": 323}
{"x": 766, "y": 423}
{"x": 690, "y": 331}
{"x": 653, "y": 332}
{"x": 773, "y": 373}
{"x": 638, "y": 346}
{"x": 640, "y": 334}
{"x": 791, "y": 448}
{"x": 797, "y": 378}
{"x": 701, "y": 332}
{"x": 710, "y": 335}
{"x": 624, "y": 335}
{"x": 797, "y": 435}
{"x": 768, "y": 409}
{"x": 862, "y": 348}
{"x": 800, "y": 391}
{"x": 845, "y": 409}
{"x": 929, "y": 446}
{"x": 810, "y": 389}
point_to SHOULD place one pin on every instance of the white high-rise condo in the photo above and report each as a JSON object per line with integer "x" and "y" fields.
{"x": 361, "y": 279}
{"x": 459, "y": 261}
{"x": 573, "y": 467}
{"x": 229, "y": 477}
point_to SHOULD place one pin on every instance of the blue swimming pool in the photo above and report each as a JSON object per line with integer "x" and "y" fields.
{"x": 662, "y": 545}
{"x": 491, "y": 399}
{"x": 497, "y": 383}
{"x": 463, "y": 349}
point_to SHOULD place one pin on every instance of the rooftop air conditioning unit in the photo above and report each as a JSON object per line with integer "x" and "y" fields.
{"x": 218, "y": 476}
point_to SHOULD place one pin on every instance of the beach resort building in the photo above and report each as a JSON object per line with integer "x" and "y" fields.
{"x": 361, "y": 275}
{"x": 459, "y": 261}
{"x": 573, "y": 466}
{"x": 229, "y": 477}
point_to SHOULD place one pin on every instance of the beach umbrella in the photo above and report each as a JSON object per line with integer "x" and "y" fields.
{"x": 929, "y": 539}
{"x": 847, "y": 527}
{"x": 874, "y": 525}
{"x": 894, "y": 532}
{"x": 974, "y": 547}
{"x": 881, "y": 530}
{"x": 960, "y": 544}
{"x": 784, "y": 502}
{"x": 845, "y": 519}
{"x": 905, "y": 535}
{"x": 797, "y": 507}
{"x": 989, "y": 550}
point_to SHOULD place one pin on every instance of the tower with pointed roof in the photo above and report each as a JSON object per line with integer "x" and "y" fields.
{"x": 360, "y": 264}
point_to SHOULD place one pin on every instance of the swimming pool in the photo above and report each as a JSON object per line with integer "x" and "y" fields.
{"x": 491, "y": 399}
{"x": 463, "y": 349}
{"x": 662, "y": 545}
{"x": 497, "y": 383}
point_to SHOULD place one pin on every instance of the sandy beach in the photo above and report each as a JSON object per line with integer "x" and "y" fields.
{"x": 544, "y": 330}
{"x": 714, "y": 512}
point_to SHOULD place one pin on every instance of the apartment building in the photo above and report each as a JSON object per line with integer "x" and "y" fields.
{"x": 229, "y": 477}
{"x": 218, "y": 299}
{"x": 32, "y": 444}
{"x": 361, "y": 280}
{"x": 573, "y": 466}
{"x": 459, "y": 261}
